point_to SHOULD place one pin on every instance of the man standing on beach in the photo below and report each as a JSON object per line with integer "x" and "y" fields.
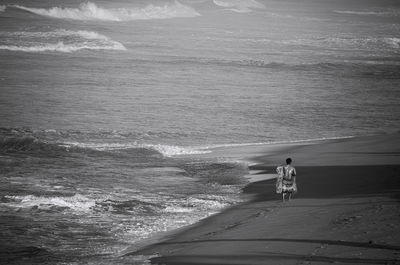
{"x": 286, "y": 181}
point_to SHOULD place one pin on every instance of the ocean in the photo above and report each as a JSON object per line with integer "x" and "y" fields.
{"x": 105, "y": 105}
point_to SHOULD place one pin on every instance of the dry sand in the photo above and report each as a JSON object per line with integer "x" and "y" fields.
{"x": 347, "y": 210}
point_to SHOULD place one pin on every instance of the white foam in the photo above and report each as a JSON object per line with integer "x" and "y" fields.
{"x": 77, "y": 202}
{"x": 58, "y": 41}
{"x": 54, "y": 34}
{"x": 276, "y": 142}
{"x": 2, "y": 8}
{"x": 393, "y": 42}
{"x": 367, "y": 13}
{"x": 59, "y": 47}
{"x": 171, "y": 150}
{"x": 212, "y": 202}
{"x": 102, "y": 146}
{"x": 192, "y": 204}
{"x": 239, "y": 6}
{"x": 165, "y": 150}
{"x": 90, "y": 11}
{"x": 178, "y": 209}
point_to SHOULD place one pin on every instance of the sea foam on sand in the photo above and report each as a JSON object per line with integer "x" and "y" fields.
{"x": 346, "y": 211}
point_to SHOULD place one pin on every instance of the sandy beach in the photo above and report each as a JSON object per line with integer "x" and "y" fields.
{"x": 346, "y": 210}
{"x": 149, "y": 131}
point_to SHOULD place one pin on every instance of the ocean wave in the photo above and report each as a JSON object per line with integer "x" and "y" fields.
{"x": 205, "y": 202}
{"x": 394, "y": 42}
{"x": 171, "y": 150}
{"x": 342, "y": 41}
{"x": 165, "y": 150}
{"x": 57, "y": 41}
{"x": 91, "y": 35}
{"x": 347, "y": 42}
{"x": 239, "y": 6}
{"x": 77, "y": 202}
{"x": 371, "y": 43}
{"x": 356, "y": 65}
{"x": 52, "y": 141}
{"x": 26, "y": 144}
{"x": 368, "y": 13}
{"x": 14, "y": 141}
{"x": 211, "y": 202}
{"x": 278, "y": 142}
{"x": 59, "y": 47}
{"x": 31, "y": 144}
{"x": 192, "y": 204}
{"x": 133, "y": 206}
{"x": 90, "y": 11}
{"x": 2, "y": 8}
{"x": 224, "y": 62}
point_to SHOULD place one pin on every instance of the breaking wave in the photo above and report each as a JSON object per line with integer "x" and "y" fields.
{"x": 31, "y": 144}
{"x": 57, "y": 41}
{"x": 90, "y": 11}
{"x": 77, "y": 202}
{"x": 59, "y": 47}
{"x": 2, "y": 8}
{"x": 165, "y": 150}
{"x": 239, "y": 6}
{"x": 49, "y": 142}
{"x": 168, "y": 150}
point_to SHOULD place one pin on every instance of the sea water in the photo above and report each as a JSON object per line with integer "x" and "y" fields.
{"x": 101, "y": 102}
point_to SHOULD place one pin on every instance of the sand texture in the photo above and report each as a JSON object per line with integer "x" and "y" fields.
{"x": 347, "y": 211}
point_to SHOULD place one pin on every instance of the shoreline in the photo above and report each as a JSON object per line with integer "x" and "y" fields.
{"x": 342, "y": 175}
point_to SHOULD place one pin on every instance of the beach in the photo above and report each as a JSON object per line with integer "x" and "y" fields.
{"x": 346, "y": 210}
{"x": 146, "y": 130}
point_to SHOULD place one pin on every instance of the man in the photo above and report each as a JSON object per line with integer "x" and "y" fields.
{"x": 286, "y": 181}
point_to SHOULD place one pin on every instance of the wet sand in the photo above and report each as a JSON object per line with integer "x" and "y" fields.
{"x": 347, "y": 210}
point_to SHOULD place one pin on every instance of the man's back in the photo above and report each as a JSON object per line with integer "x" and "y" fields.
{"x": 289, "y": 172}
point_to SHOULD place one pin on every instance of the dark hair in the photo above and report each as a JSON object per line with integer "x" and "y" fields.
{"x": 288, "y": 160}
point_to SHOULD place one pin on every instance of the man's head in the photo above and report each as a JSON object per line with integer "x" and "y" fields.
{"x": 288, "y": 161}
